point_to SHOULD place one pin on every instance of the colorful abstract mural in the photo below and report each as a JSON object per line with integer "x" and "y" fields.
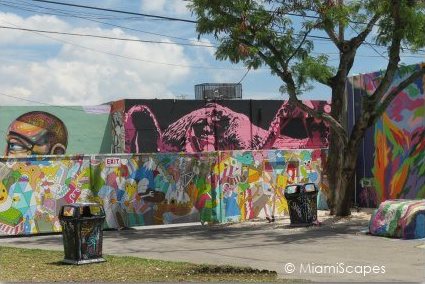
{"x": 32, "y": 191}
{"x": 396, "y": 143}
{"x": 194, "y": 126}
{"x": 399, "y": 219}
{"x": 252, "y": 183}
{"x": 153, "y": 189}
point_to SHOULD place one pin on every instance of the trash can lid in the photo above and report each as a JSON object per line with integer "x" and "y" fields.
{"x": 293, "y": 188}
{"x": 301, "y": 187}
{"x": 81, "y": 209}
{"x": 83, "y": 204}
{"x": 310, "y": 187}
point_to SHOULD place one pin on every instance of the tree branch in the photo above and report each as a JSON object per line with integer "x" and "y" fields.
{"x": 394, "y": 55}
{"x": 299, "y": 46}
{"x": 369, "y": 106}
{"x": 286, "y": 76}
{"x": 332, "y": 122}
{"x": 361, "y": 37}
{"x": 293, "y": 99}
{"x": 327, "y": 27}
{"x": 380, "y": 109}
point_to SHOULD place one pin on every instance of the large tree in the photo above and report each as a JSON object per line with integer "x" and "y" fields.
{"x": 280, "y": 34}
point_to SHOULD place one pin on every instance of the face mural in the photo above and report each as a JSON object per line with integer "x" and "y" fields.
{"x": 36, "y": 133}
{"x": 198, "y": 126}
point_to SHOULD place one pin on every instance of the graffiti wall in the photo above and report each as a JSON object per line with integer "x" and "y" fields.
{"x": 396, "y": 142}
{"x": 200, "y": 126}
{"x": 55, "y": 130}
{"x": 117, "y": 127}
{"x": 251, "y": 183}
{"x": 151, "y": 189}
{"x": 32, "y": 191}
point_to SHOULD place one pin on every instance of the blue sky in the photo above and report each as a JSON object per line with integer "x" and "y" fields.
{"x": 69, "y": 70}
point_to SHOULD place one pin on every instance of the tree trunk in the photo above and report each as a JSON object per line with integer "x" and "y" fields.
{"x": 334, "y": 168}
{"x": 345, "y": 180}
{"x": 333, "y": 163}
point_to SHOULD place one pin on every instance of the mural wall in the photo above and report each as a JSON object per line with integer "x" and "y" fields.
{"x": 201, "y": 126}
{"x": 32, "y": 191}
{"x": 117, "y": 127}
{"x": 396, "y": 143}
{"x": 149, "y": 189}
{"x": 149, "y": 126}
{"x": 152, "y": 189}
{"x": 251, "y": 183}
{"x": 40, "y": 130}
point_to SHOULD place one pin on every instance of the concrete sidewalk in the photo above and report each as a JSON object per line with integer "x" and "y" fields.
{"x": 331, "y": 252}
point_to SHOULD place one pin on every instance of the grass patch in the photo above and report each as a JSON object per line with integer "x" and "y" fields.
{"x": 31, "y": 265}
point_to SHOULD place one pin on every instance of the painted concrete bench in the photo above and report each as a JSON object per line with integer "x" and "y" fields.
{"x": 399, "y": 219}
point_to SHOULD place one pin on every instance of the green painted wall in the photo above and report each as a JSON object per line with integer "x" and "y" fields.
{"x": 89, "y": 130}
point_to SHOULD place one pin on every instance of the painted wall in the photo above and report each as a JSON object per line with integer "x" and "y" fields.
{"x": 151, "y": 189}
{"x": 147, "y": 126}
{"x": 201, "y": 126}
{"x": 396, "y": 142}
{"x": 89, "y": 128}
{"x": 399, "y": 219}
{"x": 148, "y": 189}
{"x": 251, "y": 183}
{"x": 117, "y": 127}
{"x": 32, "y": 191}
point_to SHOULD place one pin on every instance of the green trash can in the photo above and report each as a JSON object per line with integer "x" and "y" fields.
{"x": 302, "y": 203}
{"x": 82, "y": 231}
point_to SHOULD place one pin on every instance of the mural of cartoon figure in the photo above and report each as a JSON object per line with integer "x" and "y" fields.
{"x": 36, "y": 133}
{"x": 11, "y": 219}
{"x": 115, "y": 215}
{"x": 230, "y": 201}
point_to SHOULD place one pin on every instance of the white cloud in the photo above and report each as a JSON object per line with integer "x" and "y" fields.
{"x": 85, "y": 76}
{"x": 165, "y": 7}
{"x": 36, "y": 22}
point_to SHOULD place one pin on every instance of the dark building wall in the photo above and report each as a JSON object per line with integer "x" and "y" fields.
{"x": 202, "y": 126}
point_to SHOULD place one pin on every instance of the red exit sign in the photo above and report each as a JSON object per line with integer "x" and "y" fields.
{"x": 112, "y": 162}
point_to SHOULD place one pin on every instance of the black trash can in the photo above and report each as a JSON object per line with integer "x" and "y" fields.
{"x": 302, "y": 203}
{"x": 82, "y": 231}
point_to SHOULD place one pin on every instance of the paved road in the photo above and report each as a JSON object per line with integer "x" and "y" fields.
{"x": 325, "y": 253}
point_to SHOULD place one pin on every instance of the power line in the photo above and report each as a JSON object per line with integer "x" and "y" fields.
{"x": 80, "y": 12}
{"x": 179, "y": 19}
{"x": 370, "y": 45}
{"x": 244, "y": 75}
{"x": 189, "y": 21}
{"x": 66, "y": 14}
{"x": 132, "y": 58}
{"x": 105, "y": 37}
{"x": 159, "y": 42}
{"x": 118, "y": 11}
{"x": 42, "y": 103}
{"x": 134, "y": 40}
